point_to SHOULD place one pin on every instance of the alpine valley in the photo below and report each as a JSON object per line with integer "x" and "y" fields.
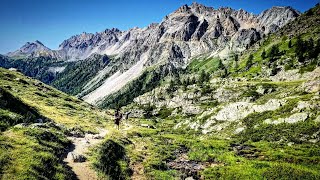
{"x": 207, "y": 93}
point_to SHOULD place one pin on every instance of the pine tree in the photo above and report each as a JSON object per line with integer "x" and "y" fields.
{"x": 178, "y": 81}
{"x": 300, "y": 49}
{"x": 317, "y": 48}
{"x": 193, "y": 80}
{"x": 220, "y": 64}
{"x": 249, "y": 62}
{"x": 290, "y": 44}
{"x": 263, "y": 54}
{"x": 188, "y": 81}
{"x": 225, "y": 73}
{"x": 171, "y": 87}
{"x": 202, "y": 77}
{"x": 236, "y": 66}
{"x": 274, "y": 52}
{"x": 311, "y": 49}
{"x": 274, "y": 69}
{"x": 236, "y": 57}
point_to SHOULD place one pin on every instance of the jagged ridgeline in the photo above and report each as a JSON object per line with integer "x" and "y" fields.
{"x": 185, "y": 34}
{"x": 287, "y": 49}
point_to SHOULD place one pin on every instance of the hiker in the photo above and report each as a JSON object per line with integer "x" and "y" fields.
{"x": 117, "y": 117}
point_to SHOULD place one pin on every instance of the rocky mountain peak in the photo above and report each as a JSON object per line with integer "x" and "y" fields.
{"x": 194, "y": 22}
{"x": 200, "y": 8}
{"x": 112, "y": 30}
{"x": 38, "y": 42}
{"x": 274, "y": 18}
{"x": 30, "y": 49}
{"x": 183, "y": 9}
{"x": 188, "y": 32}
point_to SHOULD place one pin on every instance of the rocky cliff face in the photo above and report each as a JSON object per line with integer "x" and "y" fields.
{"x": 188, "y": 32}
{"x": 276, "y": 17}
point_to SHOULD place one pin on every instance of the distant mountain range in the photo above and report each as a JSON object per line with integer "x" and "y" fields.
{"x": 188, "y": 32}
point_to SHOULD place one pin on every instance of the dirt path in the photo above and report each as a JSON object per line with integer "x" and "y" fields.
{"x": 138, "y": 172}
{"x": 76, "y": 155}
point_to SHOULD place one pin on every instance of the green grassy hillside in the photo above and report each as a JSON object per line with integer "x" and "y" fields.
{"x": 35, "y": 117}
{"x": 254, "y": 115}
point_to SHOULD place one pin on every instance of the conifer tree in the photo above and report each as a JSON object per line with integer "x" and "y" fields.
{"x": 249, "y": 62}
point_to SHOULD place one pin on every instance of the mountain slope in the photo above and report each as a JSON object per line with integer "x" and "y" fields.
{"x": 251, "y": 116}
{"x": 188, "y": 32}
{"x": 35, "y": 117}
{"x": 70, "y": 77}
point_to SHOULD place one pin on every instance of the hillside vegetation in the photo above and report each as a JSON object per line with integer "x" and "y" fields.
{"x": 69, "y": 77}
{"x": 35, "y": 117}
{"x": 254, "y": 115}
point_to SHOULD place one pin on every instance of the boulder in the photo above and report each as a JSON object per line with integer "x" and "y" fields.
{"x": 76, "y": 133}
{"x": 296, "y": 118}
{"x": 40, "y": 120}
{"x": 38, "y": 125}
{"x": 21, "y": 125}
{"x": 147, "y": 126}
{"x": 312, "y": 86}
{"x": 74, "y": 157}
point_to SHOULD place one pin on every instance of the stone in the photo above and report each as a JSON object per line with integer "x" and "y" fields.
{"x": 21, "y": 125}
{"x": 301, "y": 106}
{"x": 39, "y": 120}
{"x": 296, "y": 118}
{"x": 13, "y": 69}
{"x": 260, "y": 90}
{"x": 271, "y": 105}
{"x": 312, "y": 86}
{"x": 97, "y": 136}
{"x": 38, "y": 125}
{"x": 147, "y": 126}
{"x": 238, "y": 130}
{"x": 234, "y": 111}
{"x": 191, "y": 109}
{"x": 75, "y": 132}
{"x": 74, "y": 157}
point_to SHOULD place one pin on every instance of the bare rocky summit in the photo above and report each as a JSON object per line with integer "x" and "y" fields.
{"x": 188, "y": 32}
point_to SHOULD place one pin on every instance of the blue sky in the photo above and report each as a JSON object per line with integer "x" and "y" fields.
{"x": 52, "y": 21}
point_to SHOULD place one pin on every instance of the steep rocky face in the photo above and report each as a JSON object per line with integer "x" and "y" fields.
{"x": 188, "y": 32}
{"x": 83, "y": 45}
{"x": 276, "y": 17}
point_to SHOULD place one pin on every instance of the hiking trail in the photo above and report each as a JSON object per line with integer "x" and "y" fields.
{"x": 76, "y": 158}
